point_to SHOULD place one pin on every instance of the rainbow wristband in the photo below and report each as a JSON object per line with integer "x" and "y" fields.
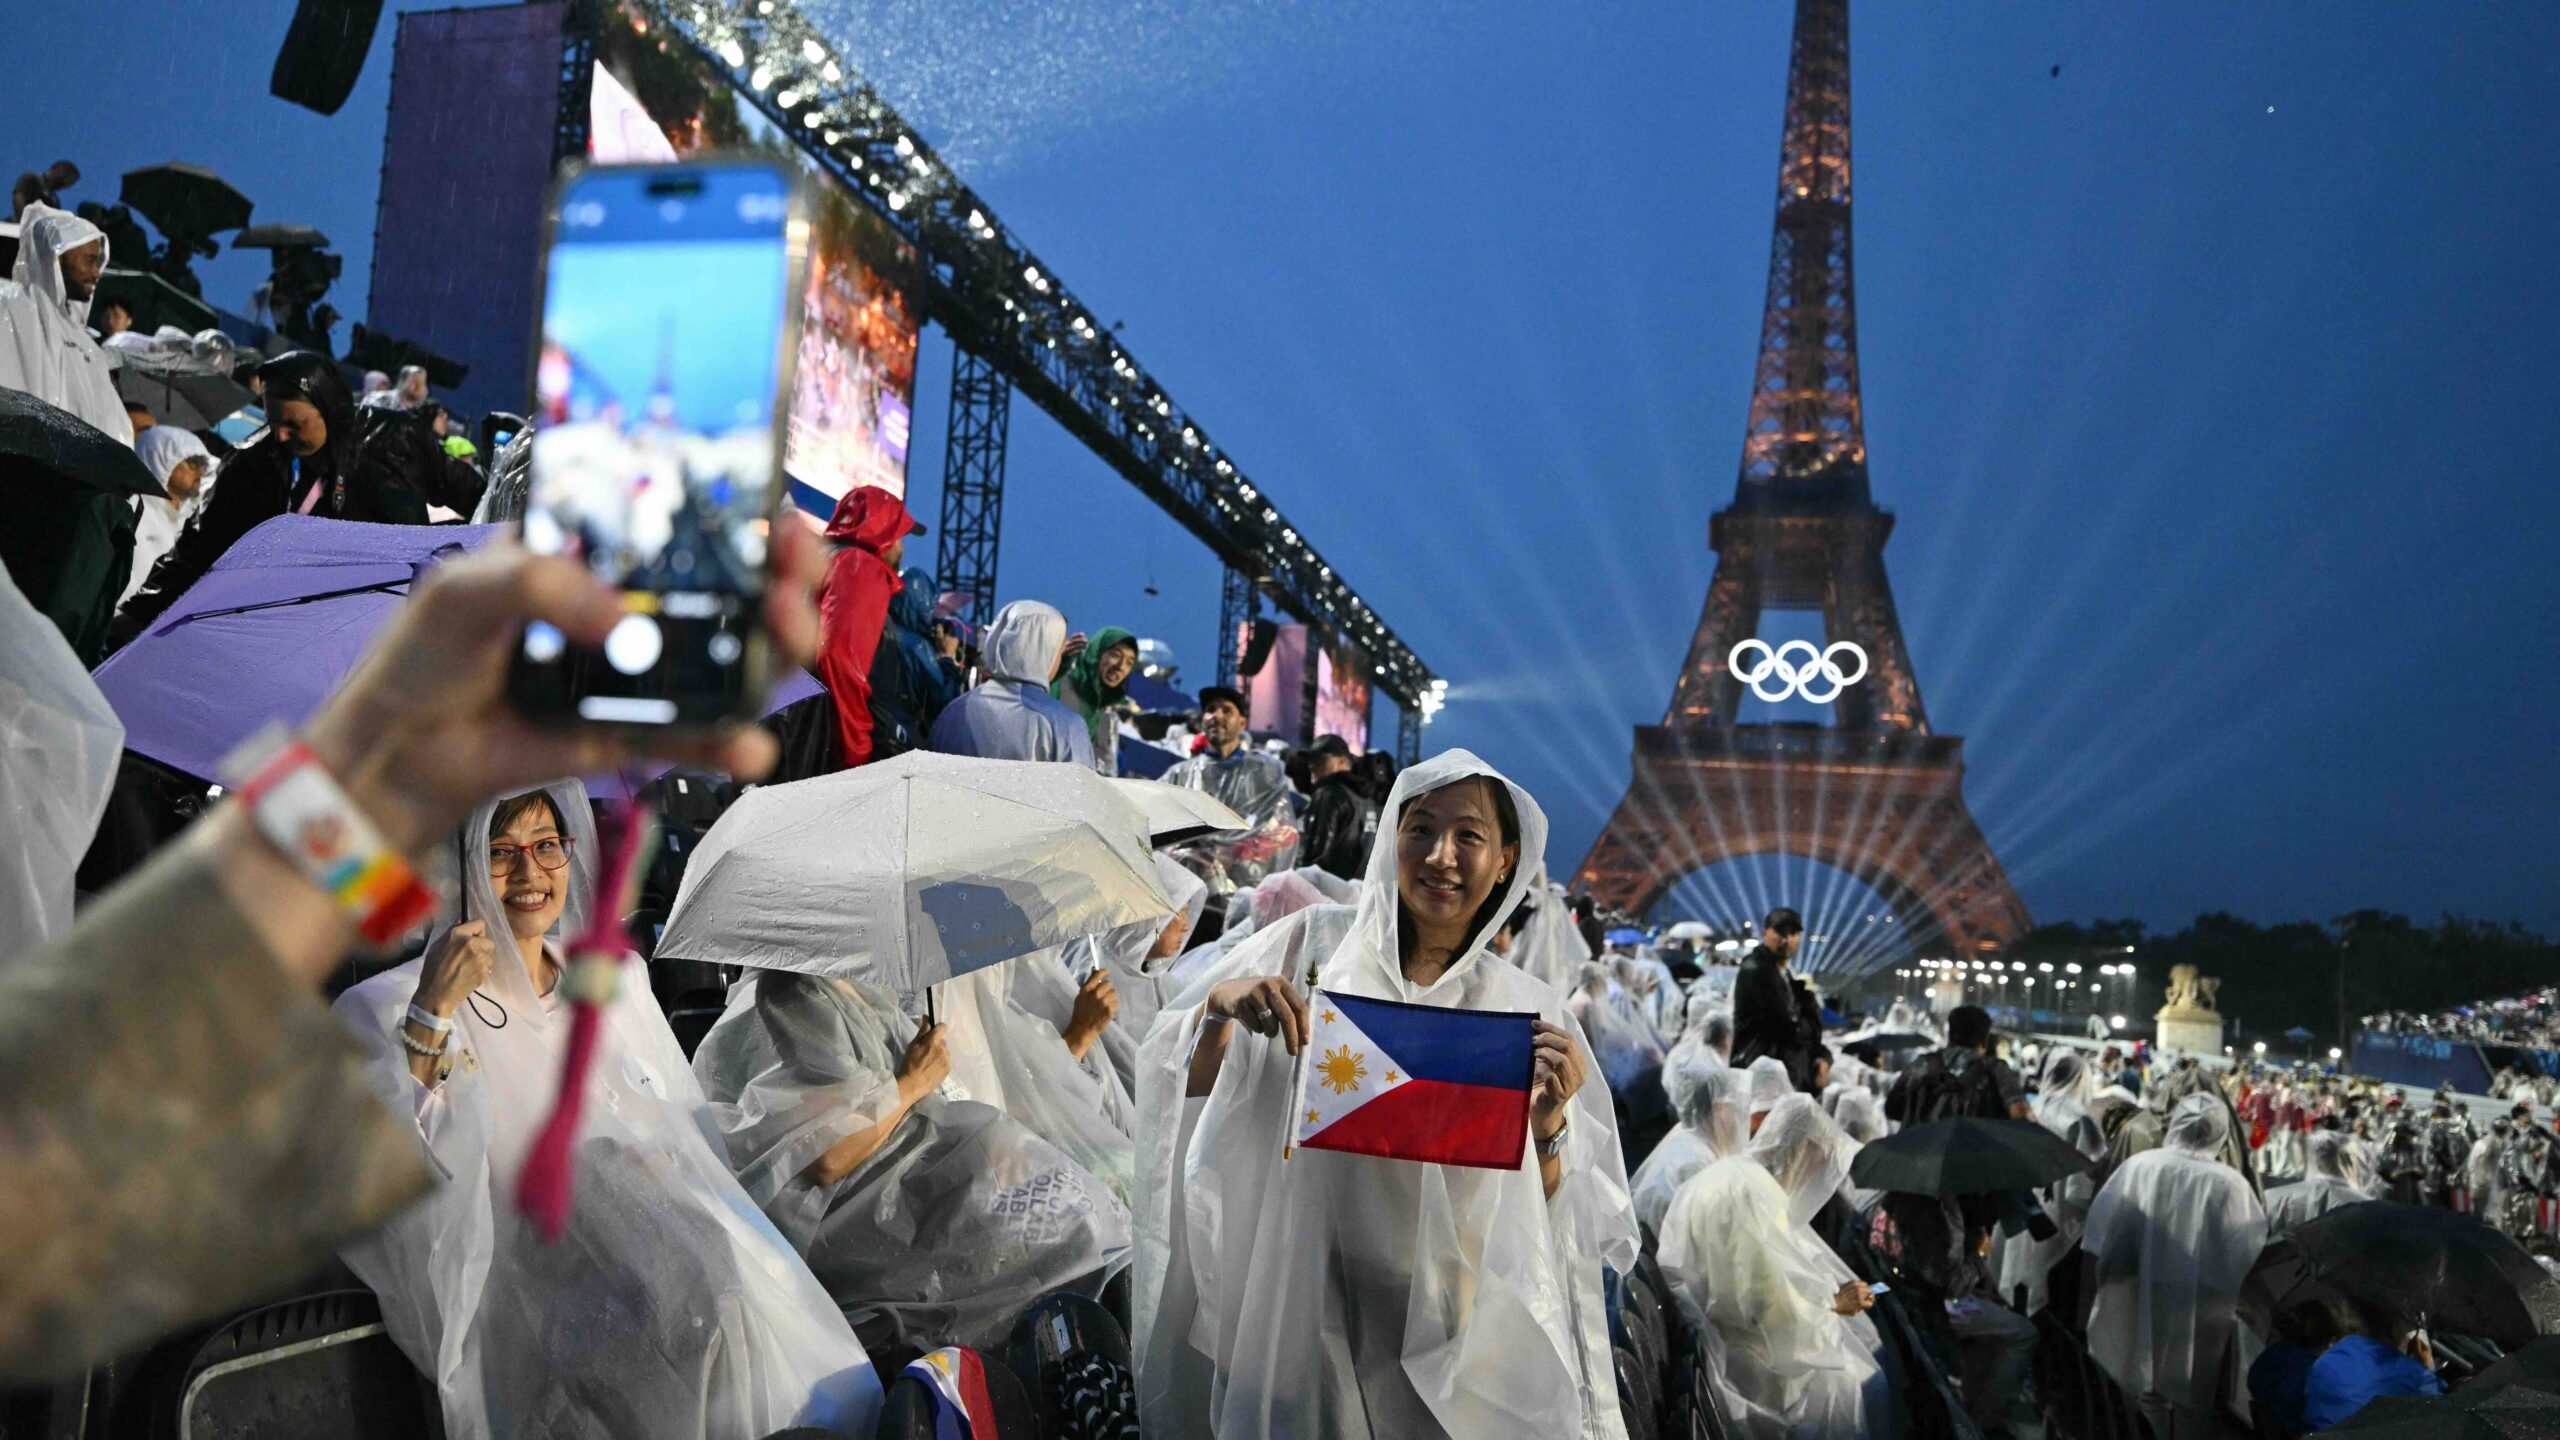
{"x": 298, "y": 806}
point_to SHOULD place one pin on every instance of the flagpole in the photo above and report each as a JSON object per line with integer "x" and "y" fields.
{"x": 1298, "y": 1075}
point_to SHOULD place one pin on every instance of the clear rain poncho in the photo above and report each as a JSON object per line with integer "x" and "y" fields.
{"x": 1769, "y": 1084}
{"x": 1861, "y": 1117}
{"x": 1279, "y": 895}
{"x": 1009, "y": 1049}
{"x": 1142, "y": 983}
{"x": 45, "y": 349}
{"x": 2062, "y": 1106}
{"x": 1357, "y": 1298}
{"x": 2173, "y": 1233}
{"x": 1712, "y": 1103}
{"x": 946, "y": 1233}
{"x": 1623, "y": 1045}
{"x": 1785, "y": 1363}
{"x": 2330, "y": 1179}
{"x": 1255, "y": 785}
{"x": 1551, "y": 947}
{"x": 59, "y": 743}
{"x": 672, "y": 1306}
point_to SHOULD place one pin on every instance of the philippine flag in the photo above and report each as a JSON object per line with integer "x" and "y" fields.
{"x": 956, "y": 1389}
{"x": 1415, "y": 1082}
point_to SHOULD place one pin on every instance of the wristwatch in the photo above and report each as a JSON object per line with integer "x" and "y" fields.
{"x": 1553, "y": 1146}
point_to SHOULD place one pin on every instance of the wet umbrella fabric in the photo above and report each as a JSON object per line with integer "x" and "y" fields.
{"x": 1966, "y": 1156}
{"x": 2535, "y": 1367}
{"x": 185, "y": 199}
{"x": 39, "y": 442}
{"x": 273, "y": 627}
{"x": 2509, "y": 1414}
{"x": 188, "y": 399}
{"x": 909, "y": 872}
{"x": 2437, "y": 1267}
{"x": 1176, "y": 813}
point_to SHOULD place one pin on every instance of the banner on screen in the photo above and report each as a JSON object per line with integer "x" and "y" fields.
{"x": 854, "y": 388}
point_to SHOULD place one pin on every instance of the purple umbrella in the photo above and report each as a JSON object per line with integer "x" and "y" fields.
{"x": 274, "y": 626}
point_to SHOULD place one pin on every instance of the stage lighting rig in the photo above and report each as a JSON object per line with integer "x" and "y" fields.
{"x": 997, "y": 299}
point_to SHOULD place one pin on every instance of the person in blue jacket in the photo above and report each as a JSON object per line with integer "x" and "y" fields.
{"x": 2384, "y": 1357}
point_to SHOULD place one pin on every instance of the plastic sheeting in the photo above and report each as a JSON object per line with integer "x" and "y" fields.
{"x": 1791, "y": 1365}
{"x": 1622, "y": 1044}
{"x": 1256, "y": 786}
{"x": 2173, "y": 1233}
{"x": 1769, "y": 1083}
{"x": 1552, "y": 947}
{"x": 946, "y": 1233}
{"x": 1008, "y": 1049}
{"x": 59, "y": 743}
{"x": 1806, "y": 1151}
{"x": 1714, "y": 1125}
{"x": 1351, "y": 1297}
{"x": 2332, "y": 1177}
{"x": 2062, "y": 1105}
{"x": 671, "y": 1305}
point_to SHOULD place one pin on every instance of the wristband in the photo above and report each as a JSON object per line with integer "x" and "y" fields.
{"x": 426, "y": 1019}
{"x": 297, "y": 805}
{"x": 1553, "y": 1146}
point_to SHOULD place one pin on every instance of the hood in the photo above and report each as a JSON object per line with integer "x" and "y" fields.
{"x": 1086, "y": 671}
{"x": 1023, "y": 641}
{"x": 479, "y": 900}
{"x": 912, "y": 606}
{"x": 1380, "y": 908}
{"x": 872, "y": 518}
{"x": 164, "y": 448}
{"x": 44, "y": 233}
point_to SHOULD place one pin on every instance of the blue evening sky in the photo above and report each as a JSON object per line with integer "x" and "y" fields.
{"x": 2210, "y": 379}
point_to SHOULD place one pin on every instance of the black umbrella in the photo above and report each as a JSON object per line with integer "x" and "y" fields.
{"x": 1966, "y": 1156}
{"x": 2509, "y": 1414}
{"x": 2429, "y": 1265}
{"x": 2535, "y": 1367}
{"x": 185, "y": 199}
{"x": 277, "y": 236}
{"x": 37, "y": 440}
{"x": 190, "y": 400}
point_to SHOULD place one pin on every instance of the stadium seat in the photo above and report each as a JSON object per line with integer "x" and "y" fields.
{"x": 1073, "y": 1361}
{"x": 1639, "y": 1397}
{"x": 314, "y": 1366}
{"x": 907, "y": 1411}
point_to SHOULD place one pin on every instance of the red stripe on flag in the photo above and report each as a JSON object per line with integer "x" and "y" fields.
{"x": 974, "y": 1399}
{"x": 1434, "y": 1121}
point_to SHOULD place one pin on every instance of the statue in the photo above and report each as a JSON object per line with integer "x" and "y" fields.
{"x": 2190, "y": 993}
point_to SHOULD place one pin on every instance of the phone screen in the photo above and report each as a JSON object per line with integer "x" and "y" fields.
{"x": 657, "y": 448}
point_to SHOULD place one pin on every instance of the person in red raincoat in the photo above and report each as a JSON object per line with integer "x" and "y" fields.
{"x": 871, "y": 527}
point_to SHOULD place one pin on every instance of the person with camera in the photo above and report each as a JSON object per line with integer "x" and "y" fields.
{"x": 183, "y": 1125}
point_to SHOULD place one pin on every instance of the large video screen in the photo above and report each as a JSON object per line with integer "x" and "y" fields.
{"x": 1342, "y": 693}
{"x": 854, "y": 388}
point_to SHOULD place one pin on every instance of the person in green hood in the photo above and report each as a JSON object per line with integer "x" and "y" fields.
{"x": 1092, "y": 685}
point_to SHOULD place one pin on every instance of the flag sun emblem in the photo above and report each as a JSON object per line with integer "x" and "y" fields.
{"x": 1342, "y": 1071}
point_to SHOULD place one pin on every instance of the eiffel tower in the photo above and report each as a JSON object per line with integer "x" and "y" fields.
{"x": 1877, "y": 794}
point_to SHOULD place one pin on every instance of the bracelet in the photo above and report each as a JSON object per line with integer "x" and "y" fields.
{"x": 432, "y": 1053}
{"x": 1553, "y": 1146}
{"x": 297, "y": 805}
{"x": 426, "y": 1019}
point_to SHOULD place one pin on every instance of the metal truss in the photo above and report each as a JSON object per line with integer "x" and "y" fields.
{"x": 973, "y": 481}
{"x": 995, "y": 298}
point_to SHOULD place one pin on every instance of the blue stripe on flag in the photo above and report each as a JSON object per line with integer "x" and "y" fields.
{"x": 1432, "y": 1042}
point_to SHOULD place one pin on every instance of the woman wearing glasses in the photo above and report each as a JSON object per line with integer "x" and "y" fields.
{"x": 672, "y": 1306}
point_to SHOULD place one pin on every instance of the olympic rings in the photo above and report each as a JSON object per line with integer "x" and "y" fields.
{"x": 1795, "y": 677}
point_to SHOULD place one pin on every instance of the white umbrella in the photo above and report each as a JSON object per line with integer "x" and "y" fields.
{"x": 1689, "y": 930}
{"x": 914, "y": 870}
{"x": 1176, "y": 813}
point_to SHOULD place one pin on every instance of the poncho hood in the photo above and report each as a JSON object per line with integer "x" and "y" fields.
{"x": 45, "y": 235}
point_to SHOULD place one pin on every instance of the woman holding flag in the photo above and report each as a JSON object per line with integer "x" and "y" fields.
{"x": 1376, "y": 1190}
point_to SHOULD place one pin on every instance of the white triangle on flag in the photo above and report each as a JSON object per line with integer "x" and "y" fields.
{"x": 1342, "y": 1069}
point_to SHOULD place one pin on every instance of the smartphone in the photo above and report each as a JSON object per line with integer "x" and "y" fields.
{"x": 662, "y": 370}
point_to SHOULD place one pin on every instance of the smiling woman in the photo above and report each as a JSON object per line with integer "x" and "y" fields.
{"x": 1325, "y": 1292}
{"x": 714, "y": 1314}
